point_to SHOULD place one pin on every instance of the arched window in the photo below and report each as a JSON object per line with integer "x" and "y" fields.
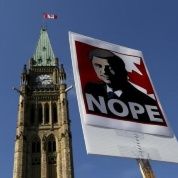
{"x": 40, "y": 114}
{"x": 46, "y": 113}
{"x": 54, "y": 113}
{"x": 36, "y": 157}
{"x": 32, "y": 114}
{"x": 51, "y": 146}
{"x": 51, "y": 157}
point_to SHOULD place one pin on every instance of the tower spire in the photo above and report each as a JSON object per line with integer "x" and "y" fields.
{"x": 44, "y": 55}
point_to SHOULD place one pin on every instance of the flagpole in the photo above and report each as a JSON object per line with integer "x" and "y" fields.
{"x": 44, "y": 23}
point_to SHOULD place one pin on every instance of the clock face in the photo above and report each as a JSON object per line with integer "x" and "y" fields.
{"x": 44, "y": 79}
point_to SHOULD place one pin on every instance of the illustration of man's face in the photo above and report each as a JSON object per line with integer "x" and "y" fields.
{"x": 103, "y": 69}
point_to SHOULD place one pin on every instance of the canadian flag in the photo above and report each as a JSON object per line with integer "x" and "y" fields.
{"x": 49, "y": 16}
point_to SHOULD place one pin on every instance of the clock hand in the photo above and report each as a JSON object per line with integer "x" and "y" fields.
{"x": 46, "y": 79}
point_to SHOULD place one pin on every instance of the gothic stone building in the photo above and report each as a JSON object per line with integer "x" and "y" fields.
{"x": 43, "y": 137}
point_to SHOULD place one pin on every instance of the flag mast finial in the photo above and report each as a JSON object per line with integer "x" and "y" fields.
{"x": 48, "y": 16}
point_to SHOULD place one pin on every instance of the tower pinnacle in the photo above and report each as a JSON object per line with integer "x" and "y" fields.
{"x": 44, "y": 55}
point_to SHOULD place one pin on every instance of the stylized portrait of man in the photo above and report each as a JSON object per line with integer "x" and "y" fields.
{"x": 114, "y": 96}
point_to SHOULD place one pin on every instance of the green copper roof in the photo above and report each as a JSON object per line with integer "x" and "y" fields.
{"x": 44, "y": 55}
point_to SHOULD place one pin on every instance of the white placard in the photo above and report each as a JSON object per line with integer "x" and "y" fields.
{"x": 124, "y": 136}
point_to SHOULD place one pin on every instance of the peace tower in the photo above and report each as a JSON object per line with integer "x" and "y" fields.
{"x": 43, "y": 138}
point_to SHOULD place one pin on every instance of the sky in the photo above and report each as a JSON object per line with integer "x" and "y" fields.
{"x": 150, "y": 26}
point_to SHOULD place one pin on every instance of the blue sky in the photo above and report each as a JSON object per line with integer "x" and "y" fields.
{"x": 150, "y": 26}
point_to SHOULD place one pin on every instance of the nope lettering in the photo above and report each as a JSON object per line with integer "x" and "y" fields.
{"x": 135, "y": 109}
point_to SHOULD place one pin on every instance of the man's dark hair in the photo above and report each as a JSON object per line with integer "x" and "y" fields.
{"x": 102, "y": 53}
{"x": 115, "y": 61}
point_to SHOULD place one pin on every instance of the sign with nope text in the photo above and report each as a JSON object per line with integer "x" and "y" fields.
{"x": 114, "y": 88}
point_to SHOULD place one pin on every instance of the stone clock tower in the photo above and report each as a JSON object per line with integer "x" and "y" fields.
{"x": 43, "y": 137}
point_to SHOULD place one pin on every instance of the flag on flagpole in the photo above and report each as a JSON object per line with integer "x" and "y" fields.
{"x": 49, "y": 16}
